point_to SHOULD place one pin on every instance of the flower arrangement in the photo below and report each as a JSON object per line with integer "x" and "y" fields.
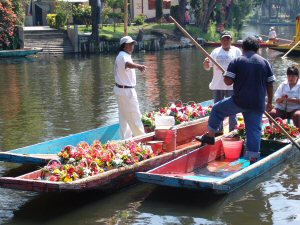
{"x": 272, "y": 132}
{"x": 87, "y": 160}
{"x": 241, "y": 131}
{"x": 181, "y": 112}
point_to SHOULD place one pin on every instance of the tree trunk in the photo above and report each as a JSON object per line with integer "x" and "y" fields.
{"x": 207, "y": 14}
{"x": 182, "y": 8}
{"x": 96, "y": 15}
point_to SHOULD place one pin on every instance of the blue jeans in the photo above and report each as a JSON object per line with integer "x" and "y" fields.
{"x": 253, "y": 123}
{"x": 219, "y": 95}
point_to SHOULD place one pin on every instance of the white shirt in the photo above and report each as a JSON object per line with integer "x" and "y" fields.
{"x": 124, "y": 76}
{"x": 272, "y": 34}
{"x": 284, "y": 89}
{"x": 223, "y": 58}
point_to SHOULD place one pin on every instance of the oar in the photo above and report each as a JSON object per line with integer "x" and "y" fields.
{"x": 277, "y": 38}
{"x": 283, "y": 130}
{"x": 196, "y": 44}
{"x": 222, "y": 69}
{"x": 290, "y": 49}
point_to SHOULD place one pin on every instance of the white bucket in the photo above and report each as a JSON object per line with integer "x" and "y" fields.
{"x": 164, "y": 122}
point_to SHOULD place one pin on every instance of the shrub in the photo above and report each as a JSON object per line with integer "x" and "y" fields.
{"x": 61, "y": 20}
{"x": 140, "y": 19}
{"x": 51, "y": 20}
{"x": 82, "y": 14}
{"x": 8, "y": 38}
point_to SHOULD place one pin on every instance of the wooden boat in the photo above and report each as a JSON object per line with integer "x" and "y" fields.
{"x": 19, "y": 52}
{"x": 41, "y": 153}
{"x": 287, "y": 47}
{"x": 218, "y": 44}
{"x": 179, "y": 144}
{"x": 206, "y": 168}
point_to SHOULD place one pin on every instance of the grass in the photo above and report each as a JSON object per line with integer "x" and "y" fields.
{"x": 107, "y": 31}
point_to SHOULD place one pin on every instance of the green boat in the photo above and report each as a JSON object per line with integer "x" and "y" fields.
{"x": 19, "y": 52}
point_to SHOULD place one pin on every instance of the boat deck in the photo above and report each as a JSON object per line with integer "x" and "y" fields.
{"x": 213, "y": 171}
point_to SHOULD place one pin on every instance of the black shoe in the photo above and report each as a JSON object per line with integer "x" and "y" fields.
{"x": 220, "y": 133}
{"x": 205, "y": 139}
{"x": 253, "y": 160}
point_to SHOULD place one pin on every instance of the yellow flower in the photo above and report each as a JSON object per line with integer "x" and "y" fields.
{"x": 68, "y": 179}
{"x": 56, "y": 171}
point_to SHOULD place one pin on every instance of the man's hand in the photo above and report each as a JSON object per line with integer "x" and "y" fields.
{"x": 142, "y": 68}
{"x": 269, "y": 107}
{"x": 206, "y": 64}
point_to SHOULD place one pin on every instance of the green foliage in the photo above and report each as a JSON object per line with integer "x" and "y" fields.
{"x": 196, "y": 9}
{"x": 51, "y": 20}
{"x": 19, "y": 9}
{"x": 8, "y": 20}
{"x": 111, "y": 11}
{"x": 140, "y": 19}
{"x": 64, "y": 13}
{"x": 61, "y": 20}
{"x": 159, "y": 9}
{"x": 82, "y": 13}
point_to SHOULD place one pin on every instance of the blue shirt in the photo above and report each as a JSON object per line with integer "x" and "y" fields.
{"x": 251, "y": 74}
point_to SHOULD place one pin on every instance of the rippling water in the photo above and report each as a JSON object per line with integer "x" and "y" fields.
{"x": 42, "y": 98}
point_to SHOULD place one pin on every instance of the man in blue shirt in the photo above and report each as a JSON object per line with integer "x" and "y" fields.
{"x": 252, "y": 78}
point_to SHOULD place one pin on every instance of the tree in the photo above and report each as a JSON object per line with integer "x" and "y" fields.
{"x": 8, "y": 20}
{"x": 182, "y": 9}
{"x": 96, "y": 8}
{"x": 158, "y": 9}
{"x": 112, "y": 13}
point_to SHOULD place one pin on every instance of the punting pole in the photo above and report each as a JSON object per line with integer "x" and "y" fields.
{"x": 291, "y": 49}
{"x": 196, "y": 44}
{"x": 283, "y": 130}
{"x": 222, "y": 69}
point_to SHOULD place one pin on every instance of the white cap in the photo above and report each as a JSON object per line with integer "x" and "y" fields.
{"x": 127, "y": 40}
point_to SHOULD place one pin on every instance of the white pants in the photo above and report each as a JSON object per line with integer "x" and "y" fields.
{"x": 129, "y": 113}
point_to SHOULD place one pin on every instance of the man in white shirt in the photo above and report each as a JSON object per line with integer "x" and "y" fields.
{"x": 272, "y": 35}
{"x": 223, "y": 55}
{"x": 125, "y": 82}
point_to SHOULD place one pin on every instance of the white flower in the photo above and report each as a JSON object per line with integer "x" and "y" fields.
{"x": 118, "y": 161}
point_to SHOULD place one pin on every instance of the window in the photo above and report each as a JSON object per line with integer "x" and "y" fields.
{"x": 166, "y": 4}
{"x": 151, "y": 4}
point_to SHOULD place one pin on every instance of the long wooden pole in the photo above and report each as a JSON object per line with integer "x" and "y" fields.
{"x": 291, "y": 49}
{"x": 221, "y": 68}
{"x": 196, "y": 44}
{"x": 283, "y": 130}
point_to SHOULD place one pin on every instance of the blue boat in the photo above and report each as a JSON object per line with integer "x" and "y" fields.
{"x": 41, "y": 153}
{"x": 173, "y": 143}
{"x": 206, "y": 168}
{"x": 19, "y": 52}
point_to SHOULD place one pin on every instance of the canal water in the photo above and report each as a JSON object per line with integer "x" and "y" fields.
{"x": 46, "y": 97}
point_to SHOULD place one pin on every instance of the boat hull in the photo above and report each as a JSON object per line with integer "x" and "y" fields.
{"x": 115, "y": 178}
{"x": 285, "y": 48}
{"x": 197, "y": 169}
{"x": 41, "y": 153}
{"x": 19, "y": 52}
{"x": 218, "y": 44}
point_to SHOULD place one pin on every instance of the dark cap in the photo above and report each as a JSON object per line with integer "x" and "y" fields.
{"x": 226, "y": 34}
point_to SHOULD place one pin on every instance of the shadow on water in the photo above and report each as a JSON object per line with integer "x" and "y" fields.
{"x": 19, "y": 60}
{"x": 230, "y": 208}
{"x": 81, "y": 207}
